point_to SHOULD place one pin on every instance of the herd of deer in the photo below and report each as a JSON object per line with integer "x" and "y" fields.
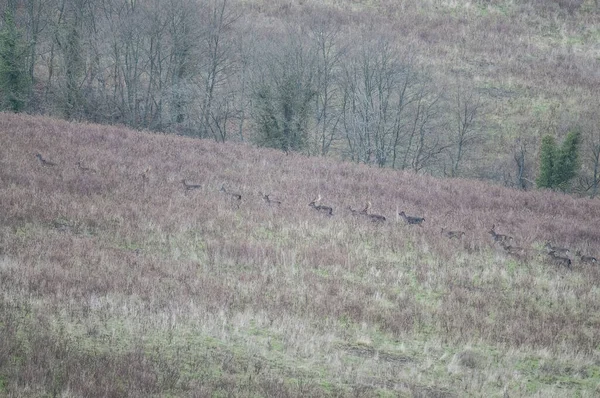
{"x": 558, "y": 255}
{"x": 376, "y": 218}
{"x": 46, "y": 163}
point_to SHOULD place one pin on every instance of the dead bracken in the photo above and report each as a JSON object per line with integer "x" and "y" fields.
{"x": 262, "y": 294}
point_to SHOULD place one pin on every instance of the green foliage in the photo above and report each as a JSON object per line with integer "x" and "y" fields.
{"x": 548, "y": 152}
{"x": 568, "y": 160}
{"x": 283, "y": 97}
{"x": 14, "y": 81}
{"x": 266, "y": 120}
{"x": 282, "y": 114}
{"x": 558, "y": 166}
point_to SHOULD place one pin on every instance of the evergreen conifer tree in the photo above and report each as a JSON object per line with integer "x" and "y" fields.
{"x": 558, "y": 166}
{"x": 568, "y": 160}
{"x": 547, "y": 159}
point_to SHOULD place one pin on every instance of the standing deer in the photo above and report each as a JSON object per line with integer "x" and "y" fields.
{"x": 366, "y": 209}
{"x": 354, "y": 212}
{"x": 85, "y": 169}
{"x": 412, "y": 220}
{"x": 558, "y": 250}
{"x": 586, "y": 259}
{"x": 269, "y": 201}
{"x": 373, "y": 217}
{"x": 499, "y": 237}
{"x": 513, "y": 250}
{"x": 320, "y": 208}
{"x": 559, "y": 260}
{"x": 146, "y": 174}
{"x": 189, "y": 187}
{"x": 235, "y": 196}
{"x": 376, "y": 218}
{"x": 452, "y": 234}
{"x": 44, "y": 162}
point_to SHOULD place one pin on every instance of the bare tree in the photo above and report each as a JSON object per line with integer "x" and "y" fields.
{"x": 69, "y": 38}
{"x": 241, "y": 81}
{"x": 464, "y": 127}
{"x": 369, "y": 86}
{"x": 589, "y": 178}
{"x": 328, "y": 56}
{"x": 522, "y": 150}
{"x": 126, "y": 47}
{"x": 185, "y": 33}
{"x": 391, "y": 113}
{"x": 406, "y": 96}
{"x": 520, "y": 156}
{"x": 153, "y": 102}
{"x": 37, "y": 23}
{"x": 593, "y": 155}
{"x": 424, "y": 143}
{"x": 217, "y": 108}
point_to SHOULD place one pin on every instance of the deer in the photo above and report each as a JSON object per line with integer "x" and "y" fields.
{"x": 513, "y": 250}
{"x": 85, "y": 169}
{"x": 559, "y": 260}
{"x": 558, "y": 250}
{"x": 376, "y": 218}
{"x": 44, "y": 162}
{"x": 411, "y": 220}
{"x": 452, "y": 234}
{"x": 586, "y": 259}
{"x": 320, "y": 208}
{"x": 233, "y": 195}
{"x": 499, "y": 237}
{"x": 366, "y": 209}
{"x": 354, "y": 212}
{"x": 189, "y": 187}
{"x": 270, "y": 201}
{"x": 146, "y": 174}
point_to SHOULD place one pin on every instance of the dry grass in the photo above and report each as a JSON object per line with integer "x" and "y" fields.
{"x": 541, "y": 48}
{"x": 122, "y": 282}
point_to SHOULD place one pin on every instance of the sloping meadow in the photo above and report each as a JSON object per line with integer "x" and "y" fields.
{"x": 117, "y": 280}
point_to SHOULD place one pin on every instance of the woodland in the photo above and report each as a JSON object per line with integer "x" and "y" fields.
{"x": 447, "y": 88}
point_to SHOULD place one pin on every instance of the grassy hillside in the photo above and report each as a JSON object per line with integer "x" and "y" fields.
{"x": 119, "y": 281}
{"x": 514, "y": 48}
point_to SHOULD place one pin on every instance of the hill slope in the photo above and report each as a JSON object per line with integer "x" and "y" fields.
{"x": 119, "y": 281}
{"x": 478, "y": 82}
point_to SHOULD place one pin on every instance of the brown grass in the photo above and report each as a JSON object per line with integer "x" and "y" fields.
{"x": 114, "y": 284}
